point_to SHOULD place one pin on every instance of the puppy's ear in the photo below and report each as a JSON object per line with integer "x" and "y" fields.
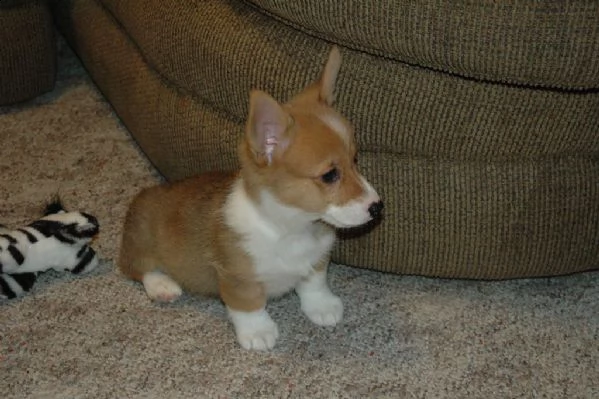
{"x": 323, "y": 90}
{"x": 329, "y": 77}
{"x": 267, "y": 127}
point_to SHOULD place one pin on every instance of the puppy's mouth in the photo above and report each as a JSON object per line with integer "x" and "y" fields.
{"x": 353, "y": 214}
{"x": 338, "y": 224}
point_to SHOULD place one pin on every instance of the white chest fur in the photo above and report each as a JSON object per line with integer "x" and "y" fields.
{"x": 285, "y": 243}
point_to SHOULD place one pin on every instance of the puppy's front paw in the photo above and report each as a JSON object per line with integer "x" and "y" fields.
{"x": 255, "y": 330}
{"x": 260, "y": 340}
{"x": 322, "y": 308}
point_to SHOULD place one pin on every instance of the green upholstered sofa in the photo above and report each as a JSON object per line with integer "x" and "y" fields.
{"x": 478, "y": 122}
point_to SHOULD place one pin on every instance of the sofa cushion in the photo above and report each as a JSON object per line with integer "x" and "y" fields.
{"x": 530, "y": 42}
{"x": 194, "y": 51}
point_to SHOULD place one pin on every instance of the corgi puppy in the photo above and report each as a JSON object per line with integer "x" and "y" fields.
{"x": 264, "y": 230}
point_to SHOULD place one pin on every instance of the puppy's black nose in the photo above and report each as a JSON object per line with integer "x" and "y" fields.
{"x": 375, "y": 209}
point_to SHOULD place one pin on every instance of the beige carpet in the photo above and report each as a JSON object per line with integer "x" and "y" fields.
{"x": 98, "y": 336}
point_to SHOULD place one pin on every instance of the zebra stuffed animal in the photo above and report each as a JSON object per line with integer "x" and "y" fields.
{"x": 59, "y": 240}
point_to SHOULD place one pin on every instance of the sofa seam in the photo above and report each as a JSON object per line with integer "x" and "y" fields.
{"x": 374, "y": 52}
{"x": 169, "y": 83}
{"x": 241, "y": 120}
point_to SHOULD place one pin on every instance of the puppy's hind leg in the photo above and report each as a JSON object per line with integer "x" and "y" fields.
{"x": 160, "y": 287}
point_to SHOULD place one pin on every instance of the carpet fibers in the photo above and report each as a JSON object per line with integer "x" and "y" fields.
{"x": 99, "y": 336}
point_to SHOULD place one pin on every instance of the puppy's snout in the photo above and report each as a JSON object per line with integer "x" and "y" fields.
{"x": 376, "y": 209}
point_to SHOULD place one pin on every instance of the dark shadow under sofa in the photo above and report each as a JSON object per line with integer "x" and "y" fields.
{"x": 478, "y": 122}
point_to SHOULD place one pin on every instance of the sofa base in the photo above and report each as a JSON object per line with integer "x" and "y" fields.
{"x": 494, "y": 219}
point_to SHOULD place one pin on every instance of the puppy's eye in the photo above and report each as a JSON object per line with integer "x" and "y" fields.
{"x": 331, "y": 176}
{"x": 355, "y": 159}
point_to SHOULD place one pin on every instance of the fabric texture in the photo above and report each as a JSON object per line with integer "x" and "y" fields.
{"x": 28, "y": 50}
{"x": 526, "y": 42}
{"x": 480, "y": 179}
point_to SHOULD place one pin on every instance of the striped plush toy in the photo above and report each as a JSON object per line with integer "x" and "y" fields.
{"x": 59, "y": 240}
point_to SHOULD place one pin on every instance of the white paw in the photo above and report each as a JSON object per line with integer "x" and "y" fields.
{"x": 161, "y": 287}
{"x": 255, "y": 330}
{"x": 322, "y": 308}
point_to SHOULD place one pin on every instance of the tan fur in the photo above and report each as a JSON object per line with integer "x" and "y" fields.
{"x": 179, "y": 228}
{"x": 295, "y": 178}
